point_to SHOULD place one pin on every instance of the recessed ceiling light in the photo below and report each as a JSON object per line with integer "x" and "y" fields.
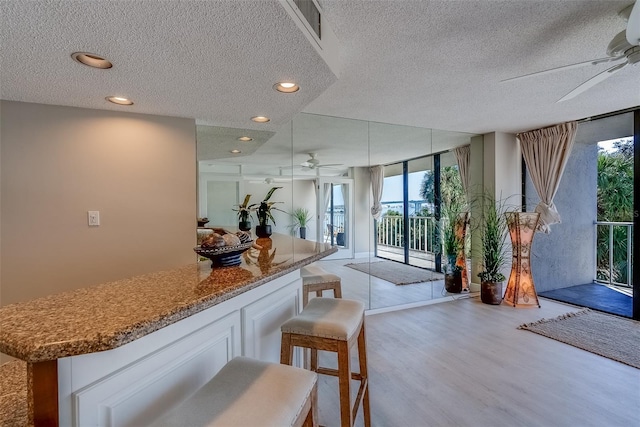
{"x": 260, "y": 119}
{"x": 235, "y": 151}
{"x": 91, "y": 60}
{"x": 245, "y": 138}
{"x": 286, "y": 87}
{"x": 119, "y": 100}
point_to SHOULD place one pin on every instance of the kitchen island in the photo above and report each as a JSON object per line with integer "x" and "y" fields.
{"x": 120, "y": 353}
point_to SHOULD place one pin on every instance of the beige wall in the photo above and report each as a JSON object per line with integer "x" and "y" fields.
{"x": 57, "y": 163}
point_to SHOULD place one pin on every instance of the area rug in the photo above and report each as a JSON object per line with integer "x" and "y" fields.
{"x": 395, "y": 272}
{"x": 613, "y": 337}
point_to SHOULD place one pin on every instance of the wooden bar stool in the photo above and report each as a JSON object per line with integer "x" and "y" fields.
{"x": 315, "y": 279}
{"x": 333, "y": 325}
{"x": 248, "y": 392}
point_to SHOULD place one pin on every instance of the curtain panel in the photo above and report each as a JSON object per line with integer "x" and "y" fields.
{"x": 463, "y": 156}
{"x": 545, "y": 153}
{"x": 377, "y": 181}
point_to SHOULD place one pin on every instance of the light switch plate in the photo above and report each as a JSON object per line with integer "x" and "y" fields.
{"x": 94, "y": 218}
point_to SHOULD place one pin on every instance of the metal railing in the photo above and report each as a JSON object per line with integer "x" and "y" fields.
{"x": 421, "y": 232}
{"x": 614, "y": 249}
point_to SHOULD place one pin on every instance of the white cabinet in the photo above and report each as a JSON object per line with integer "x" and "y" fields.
{"x": 133, "y": 384}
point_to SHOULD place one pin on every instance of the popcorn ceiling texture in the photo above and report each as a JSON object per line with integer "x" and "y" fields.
{"x": 109, "y": 315}
{"x": 433, "y": 64}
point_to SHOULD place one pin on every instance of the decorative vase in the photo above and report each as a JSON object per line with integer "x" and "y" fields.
{"x": 453, "y": 282}
{"x": 263, "y": 230}
{"x": 244, "y": 225}
{"x": 303, "y": 232}
{"x": 491, "y": 293}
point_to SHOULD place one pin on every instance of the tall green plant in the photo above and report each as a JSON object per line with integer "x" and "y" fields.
{"x": 493, "y": 232}
{"x": 452, "y": 244}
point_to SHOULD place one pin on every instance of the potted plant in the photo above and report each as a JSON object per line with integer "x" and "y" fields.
{"x": 263, "y": 212}
{"x": 244, "y": 210}
{"x": 301, "y": 217}
{"x": 493, "y": 234}
{"x": 452, "y": 244}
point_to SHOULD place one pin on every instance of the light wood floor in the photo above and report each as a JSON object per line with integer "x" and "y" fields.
{"x": 464, "y": 363}
{"x": 376, "y": 293}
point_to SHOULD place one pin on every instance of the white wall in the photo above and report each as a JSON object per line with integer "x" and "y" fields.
{"x": 363, "y": 230}
{"x": 57, "y": 163}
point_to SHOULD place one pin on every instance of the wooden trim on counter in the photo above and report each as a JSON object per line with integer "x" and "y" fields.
{"x": 43, "y": 393}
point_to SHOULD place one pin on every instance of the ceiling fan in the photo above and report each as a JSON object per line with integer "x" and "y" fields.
{"x": 624, "y": 46}
{"x": 313, "y": 163}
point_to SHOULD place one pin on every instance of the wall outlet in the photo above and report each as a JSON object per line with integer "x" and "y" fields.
{"x": 94, "y": 218}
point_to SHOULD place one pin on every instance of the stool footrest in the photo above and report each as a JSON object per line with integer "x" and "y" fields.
{"x": 334, "y": 372}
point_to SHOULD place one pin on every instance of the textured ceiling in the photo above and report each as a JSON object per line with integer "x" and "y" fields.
{"x": 439, "y": 64}
{"x": 429, "y": 64}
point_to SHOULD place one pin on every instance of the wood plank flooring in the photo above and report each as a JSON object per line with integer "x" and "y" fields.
{"x": 464, "y": 363}
{"x": 376, "y": 293}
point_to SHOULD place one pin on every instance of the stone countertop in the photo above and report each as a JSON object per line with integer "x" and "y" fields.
{"x": 109, "y": 315}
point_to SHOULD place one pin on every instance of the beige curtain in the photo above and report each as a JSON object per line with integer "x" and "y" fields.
{"x": 545, "y": 153}
{"x": 463, "y": 156}
{"x": 377, "y": 181}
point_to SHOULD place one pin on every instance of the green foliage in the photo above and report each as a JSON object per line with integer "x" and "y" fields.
{"x": 244, "y": 209}
{"x": 450, "y": 186}
{"x": 391, "y": 212}
{"x": 264, "y": 209}
{"x": 452, "y": 244}
{"x": 493, "y": 235}
{"x": 301, "y": 217}
{"x": 615, "y": 204}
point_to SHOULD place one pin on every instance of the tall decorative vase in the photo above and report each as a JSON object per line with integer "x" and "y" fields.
{"x": 521, "y": 291}
{"x": 462, "y": 223}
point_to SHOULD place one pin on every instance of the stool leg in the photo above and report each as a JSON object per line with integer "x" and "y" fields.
{"x": 362, "y": 358}
{"x": 305, "y": 295}
{"x": 337, "y": 291}
{"x": 344, "y": 380}
{"x": 314, "y": 360}
{"x": 286, "y": 355}
{"x": 319, "y": 293}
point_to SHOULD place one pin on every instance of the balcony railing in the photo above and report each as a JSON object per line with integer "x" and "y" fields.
{"x": 614, "y": 250}
{"x": 421, "y": 232}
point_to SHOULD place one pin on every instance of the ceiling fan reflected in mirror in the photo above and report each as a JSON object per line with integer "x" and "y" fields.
{"x": 625, "y": 46}
{"x": 313, "y": 163}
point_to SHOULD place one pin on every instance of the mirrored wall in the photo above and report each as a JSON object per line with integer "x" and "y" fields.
{"x": 322, "y": 166}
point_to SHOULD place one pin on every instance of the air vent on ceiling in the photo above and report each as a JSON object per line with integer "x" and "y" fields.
{"x": 311, "y": 13}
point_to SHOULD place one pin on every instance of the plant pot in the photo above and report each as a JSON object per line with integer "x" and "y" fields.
{"x": 491, "y": 293}
{"x": 303, "y": 232}
{"x": 340, "y": 239}
{"x": 263, "y": 230}
{"x": 453, "y": 282}
{"x": 244, "y": 225}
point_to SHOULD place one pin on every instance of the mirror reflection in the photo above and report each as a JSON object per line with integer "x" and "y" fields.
{"x": 322, "y": 168}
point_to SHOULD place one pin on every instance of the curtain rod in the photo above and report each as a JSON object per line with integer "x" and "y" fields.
{"x": 604, "y": 116}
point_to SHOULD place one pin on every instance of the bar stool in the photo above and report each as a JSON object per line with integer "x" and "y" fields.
{"x": 315, "y": 279}
{"x": 249, "y": 392}
{"x": 333, "y": 325}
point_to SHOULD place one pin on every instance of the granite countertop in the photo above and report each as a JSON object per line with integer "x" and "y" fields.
{"x": 13, "y": 394}
{"x": 112, "y": 314}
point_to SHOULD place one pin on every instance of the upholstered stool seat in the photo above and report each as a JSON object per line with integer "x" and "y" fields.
{"x": 248, "y": 392}
{"x": 315, "y": 279}
{"x": 333, "y": 325}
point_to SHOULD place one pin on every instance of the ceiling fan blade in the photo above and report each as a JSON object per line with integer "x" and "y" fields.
{"x": 598, "y": 78}
{"x": 565, "y": 67}
{"x": 330, "y": 164}
{"x": 633, "y": 25}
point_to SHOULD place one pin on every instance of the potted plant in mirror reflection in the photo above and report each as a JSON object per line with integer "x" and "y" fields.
{"x": 244, "y": 210}
{"x": 301, "y": 217}
{"x": 263, "y": 212}
{"x": 493, "y": 232}
{"x": 452, "y": 244}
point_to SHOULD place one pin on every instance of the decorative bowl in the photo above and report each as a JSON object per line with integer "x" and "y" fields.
{"x": 226, "y": 256}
